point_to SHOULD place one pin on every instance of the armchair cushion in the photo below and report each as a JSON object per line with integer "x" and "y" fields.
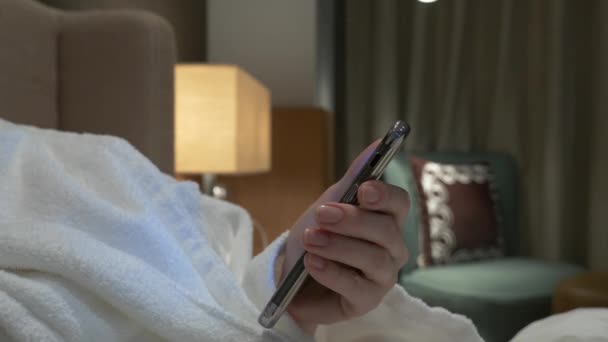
{"x": 399, "y": 172}
{"x": 459, "y": 217}
{"x": 501, "y": 296}
{"x": 504, "y": 279}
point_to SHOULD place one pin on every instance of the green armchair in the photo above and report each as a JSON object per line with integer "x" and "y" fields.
{"x": 500, "y": 296}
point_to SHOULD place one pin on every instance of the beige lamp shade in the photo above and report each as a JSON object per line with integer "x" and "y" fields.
{"x": 222, "y": 120}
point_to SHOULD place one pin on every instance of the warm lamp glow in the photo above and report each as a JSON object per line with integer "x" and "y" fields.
{"x": 222, "y": 120}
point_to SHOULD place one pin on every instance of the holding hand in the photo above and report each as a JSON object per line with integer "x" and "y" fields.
{"x": 354, "y": 253}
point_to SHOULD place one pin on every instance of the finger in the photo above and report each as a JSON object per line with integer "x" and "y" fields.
{"x": 390, "y": 199}
{"x": 360, "y": 294}
{"x": 375, "y": 262}
{"x": 378, "y": 228}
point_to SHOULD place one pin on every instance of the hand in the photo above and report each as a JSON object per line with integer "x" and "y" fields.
{"x": 354, "y": 253}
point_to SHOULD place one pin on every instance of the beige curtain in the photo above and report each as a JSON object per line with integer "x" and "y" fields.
{"x": 526, "y": 77}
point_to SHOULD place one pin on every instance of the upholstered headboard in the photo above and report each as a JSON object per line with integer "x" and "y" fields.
{"x": 106, "y": 72}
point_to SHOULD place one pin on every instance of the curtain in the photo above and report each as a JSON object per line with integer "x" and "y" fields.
{"x": 525, "y": 77}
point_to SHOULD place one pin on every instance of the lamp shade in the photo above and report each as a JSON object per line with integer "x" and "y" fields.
{"x": 222, "y": 120}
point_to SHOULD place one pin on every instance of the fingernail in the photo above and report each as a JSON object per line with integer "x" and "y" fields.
{"x": 316, "y": 237}
{"x": 329, "y": 214}
{"x": 316, "y": 261}
{"x": 371, "y": 194}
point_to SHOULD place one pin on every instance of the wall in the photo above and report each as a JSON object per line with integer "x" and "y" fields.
{"x": 274, "y": 40}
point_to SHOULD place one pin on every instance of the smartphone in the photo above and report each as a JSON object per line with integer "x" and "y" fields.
{"x": 373, "y": 168}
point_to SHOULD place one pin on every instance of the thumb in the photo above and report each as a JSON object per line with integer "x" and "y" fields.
{"x": 337, "y": 190}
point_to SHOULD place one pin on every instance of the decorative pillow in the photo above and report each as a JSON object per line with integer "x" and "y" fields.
{"x": 458, "y": 212}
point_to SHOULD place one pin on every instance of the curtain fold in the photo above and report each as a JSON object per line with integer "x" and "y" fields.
{"x": 524, "y": 77}
{"x": 597, "y": 204}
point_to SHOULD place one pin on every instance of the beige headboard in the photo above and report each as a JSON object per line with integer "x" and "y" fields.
{"x": 107, "y": 72}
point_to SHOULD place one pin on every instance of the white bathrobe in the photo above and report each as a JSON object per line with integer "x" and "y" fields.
{"x": 97, "y": 245}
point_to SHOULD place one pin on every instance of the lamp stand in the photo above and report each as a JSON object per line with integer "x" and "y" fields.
{"x": 210, "y": 187}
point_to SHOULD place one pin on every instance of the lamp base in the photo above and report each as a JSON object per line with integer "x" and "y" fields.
{"x": 211, "y": 188}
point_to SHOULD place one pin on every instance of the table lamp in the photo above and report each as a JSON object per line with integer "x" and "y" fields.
{"x": 222, "y": 123}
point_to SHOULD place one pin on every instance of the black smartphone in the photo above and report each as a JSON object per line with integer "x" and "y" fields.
{"x": 373, "y": 168}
